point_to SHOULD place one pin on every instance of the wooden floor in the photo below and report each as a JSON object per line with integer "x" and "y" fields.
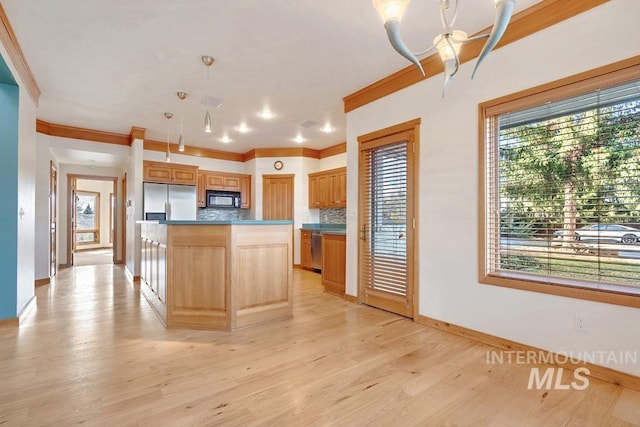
{"x": 94, "y": 353}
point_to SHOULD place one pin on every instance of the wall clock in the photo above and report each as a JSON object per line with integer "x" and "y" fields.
{"x": 277, "y": 165}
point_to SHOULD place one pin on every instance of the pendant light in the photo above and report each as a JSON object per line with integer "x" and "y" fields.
{"x": 182, "y": 96}
{"x": 167, "y": 156}
{"x": 208, "y": 62}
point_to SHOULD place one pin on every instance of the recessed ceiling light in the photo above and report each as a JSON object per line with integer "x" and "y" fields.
{"x": 225, "y": 139}
{"x": 267, "y": 114}
{"x": 327, "y": 128}
{"x": 243, "y": 128}
{"x": 299, "y": 139}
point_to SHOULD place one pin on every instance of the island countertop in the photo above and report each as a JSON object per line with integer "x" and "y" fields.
{"x": 219, "y": 222}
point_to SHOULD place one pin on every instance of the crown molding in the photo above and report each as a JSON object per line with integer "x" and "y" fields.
{"x": 91, "y": 135}
{"x": 81, "y": 133}
{"x": 10, "y": 43}
{"x": 136, "y": 133}
{"x": 282, "y": 152}
{"x": 333, "y": 150}
{"x": 536, "y": 18}
{"x": 194, "y": 151}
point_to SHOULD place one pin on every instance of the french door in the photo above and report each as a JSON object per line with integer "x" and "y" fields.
{"x": 387, "y": 222}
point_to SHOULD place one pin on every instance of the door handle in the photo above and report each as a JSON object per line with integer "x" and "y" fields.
{"x": 363, "y": 232}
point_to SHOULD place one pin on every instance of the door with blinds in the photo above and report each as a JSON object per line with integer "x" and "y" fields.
{"x": 387, "y": 222}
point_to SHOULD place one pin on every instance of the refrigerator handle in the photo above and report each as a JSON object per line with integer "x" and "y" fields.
{"x": 167, "y": 209}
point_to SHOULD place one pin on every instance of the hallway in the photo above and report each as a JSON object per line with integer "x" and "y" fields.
{"x": 94, "y": 352}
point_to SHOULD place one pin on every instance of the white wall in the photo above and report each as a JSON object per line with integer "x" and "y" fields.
{"x": 448, "y": 284}
{"x": 333, "y": 162}
{"x": 134, "y": 207}
{"x": 104, "y": 188}
{"x": 202, "y": 162}
{"x": 41, "y": 231}
{"x": 26, "y": 197}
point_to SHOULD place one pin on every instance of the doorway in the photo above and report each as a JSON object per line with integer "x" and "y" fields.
{"x": 53, "y": 219}
{"x": 277, "y": 197}
{"x": 387, "y": 222}
{"x": 92, "y": 236}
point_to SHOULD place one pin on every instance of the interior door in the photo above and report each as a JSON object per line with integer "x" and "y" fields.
{"x": 277, "y": 196}
{"x": 53, "y": 220}
{"x": 386, "y": 222}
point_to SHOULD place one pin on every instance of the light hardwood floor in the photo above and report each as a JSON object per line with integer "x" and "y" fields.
{"x": 94, "y": 353}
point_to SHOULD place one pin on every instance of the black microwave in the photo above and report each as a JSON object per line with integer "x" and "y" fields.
{"x": 223, "y": 199}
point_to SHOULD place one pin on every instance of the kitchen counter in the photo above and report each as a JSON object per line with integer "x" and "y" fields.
{"x": 221, "y": 275}
{"x": 326, "y": 228}
{"x": 219, "y": 222}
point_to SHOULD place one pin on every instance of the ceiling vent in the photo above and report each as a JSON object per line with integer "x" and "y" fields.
{"x": 307, "y": 124}
{"x": 214, "y": 101}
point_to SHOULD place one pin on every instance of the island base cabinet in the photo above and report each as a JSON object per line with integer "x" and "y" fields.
{"x": 223, "y": 277}
{"x": 334, "y": 263}
{"x": 153, "y": 278}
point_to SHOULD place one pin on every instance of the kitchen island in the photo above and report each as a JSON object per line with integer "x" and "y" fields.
{"x": 220, "y": 275}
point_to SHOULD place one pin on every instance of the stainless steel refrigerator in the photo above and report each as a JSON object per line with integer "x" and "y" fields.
{"x": 177, "y": 202}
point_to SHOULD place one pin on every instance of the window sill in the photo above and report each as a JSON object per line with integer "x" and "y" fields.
{"x": 610, "y": 294}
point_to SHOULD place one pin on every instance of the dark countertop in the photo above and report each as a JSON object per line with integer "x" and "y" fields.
{"x": 337, "y": 232}
{"x": 223, "y": 222}
{"x": 326, "y": 228}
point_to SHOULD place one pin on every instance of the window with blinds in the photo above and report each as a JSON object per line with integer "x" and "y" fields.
{"x": 385, "y": 211}
{"x": 562, "y": 191}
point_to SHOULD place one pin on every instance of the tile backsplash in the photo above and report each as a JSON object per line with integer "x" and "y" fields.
{"x": 333, "y": 216}
{"x": 213, "y": 214}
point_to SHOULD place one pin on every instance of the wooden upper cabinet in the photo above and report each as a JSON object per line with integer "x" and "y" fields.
{"x": 245, "y": 191}
{"x": 202, "y": 190}
{"x": 170, "y": 173}
{"x": 222, "y": 181}
{"x": 157, "y": 173}
{"x": 187, "y": 176}
{"x": 314, "y": 192}
{"x": 225, "y": 182}
{"x": 328, "y": 189}
{"x": 214, "y": 182}
{"x": 232, "y": 183}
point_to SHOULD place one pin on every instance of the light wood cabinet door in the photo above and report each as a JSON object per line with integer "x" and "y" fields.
{"x": 215, "y": 182}
{"x": 169, "y": 173}
{"x": 314, "y": 199}
{"x": 341, "y": 188}
{"x": 187, "y": 176}
{"x": 318, "y": 191}
{"x": 202, "y": 190}
{"x": 231, "y": 183}
{"x": 334, "y": 262}
{"x": 245, "y": 191}
{"x": 328, "y": 189}
{"x": 306, "y": 258}
{"x": 157, "y": 173}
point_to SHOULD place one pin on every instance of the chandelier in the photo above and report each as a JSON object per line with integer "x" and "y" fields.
{"x": 449, "y": 42}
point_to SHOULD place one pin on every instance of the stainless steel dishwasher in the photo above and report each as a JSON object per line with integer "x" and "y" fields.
{"x": 316, "y": 250}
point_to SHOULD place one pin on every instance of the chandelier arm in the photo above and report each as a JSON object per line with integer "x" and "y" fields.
{"x": 470, "y": 39}
{"x": 504, "y": 10}
{"x": 393, "y": 33}
{"x": 426, "y": 52}
{"x": 446, "y": 25}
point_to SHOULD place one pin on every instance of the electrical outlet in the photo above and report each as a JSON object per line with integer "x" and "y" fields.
{"x": 580, "y": 323}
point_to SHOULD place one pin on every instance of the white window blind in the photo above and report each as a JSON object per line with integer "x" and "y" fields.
{"x": 563, "y": 191}
{"x": 385, "y": 212}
